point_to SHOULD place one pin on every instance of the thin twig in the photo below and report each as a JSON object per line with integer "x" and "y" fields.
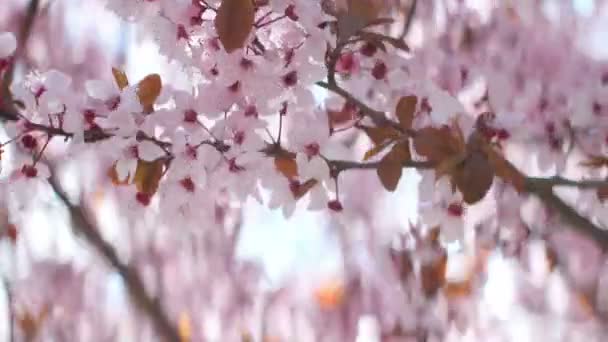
{"x": 378, "y": 117}
{"x": 135, "y": 286}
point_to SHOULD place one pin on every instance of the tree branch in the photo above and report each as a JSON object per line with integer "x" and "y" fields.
{"x": 578, "y": 222}
{"x": 407, "y": 23}
{"x": 540, "y": 187}
{"x": 135, "y": 286}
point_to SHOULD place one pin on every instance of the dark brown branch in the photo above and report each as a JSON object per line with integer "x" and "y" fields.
{"x": 343, "y": 165}
{"x": 407, "y": 23}
{"x": 135, "y": 286}
{"x": 560, "y": 181}
{"x": 540, "y": 187}
{"x": 544, "y": 191}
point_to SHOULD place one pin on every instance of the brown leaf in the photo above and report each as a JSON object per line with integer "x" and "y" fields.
{"x": 234, "y": 22}
{"x": 389, "y": 173}
{"x": 303, "y": 189}
{"x": 358, "y": 15}
{"x": 433, "y": 275}
{"x": 390, "y": 168}
{"x": 400, "y": 152}
{"x": 148, "y": 90}
{"x": 148, "y": 175}
{"x": 474, "y": 177}
{"x": 437, "y": 144}
{"x": 406, "y": 107}
{"x": 380, "y": 134}
{"x": 120, "y": 78}
{"x": 449, "y": 165}
{"x": 287, "y": 166}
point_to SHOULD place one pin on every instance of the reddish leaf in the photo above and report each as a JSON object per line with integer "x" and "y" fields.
{"x": 390, "y": 168}
{"x": 120, "y": 78}
{"x": 389, "y": 173}
{"x": 148, "y": 90}
{"x": 437, "y": 144}
{"x": 287, "y": 166}
{"x": 406, "y": 107}
{"x": 234, "y": 22}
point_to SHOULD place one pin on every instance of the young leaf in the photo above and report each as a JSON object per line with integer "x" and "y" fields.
{"x": 233, "y": 23}
{"x": 287, "y": 166}
{"x": 120, "y": 78}
{"x": 148, "y": 175}
{"x": 148, "y": 90}
{"x": 406, "y": 107}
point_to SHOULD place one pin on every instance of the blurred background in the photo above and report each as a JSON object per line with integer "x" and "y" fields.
{"x": 84, "y": 39}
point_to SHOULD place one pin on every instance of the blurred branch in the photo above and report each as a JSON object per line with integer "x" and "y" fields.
{"x": 543, "y": 189}
{"x": 10, "y": 310}
{"x": 407, "y": 23}
{"x": 135, "y": 286}
{"x": 9, "y": 112}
